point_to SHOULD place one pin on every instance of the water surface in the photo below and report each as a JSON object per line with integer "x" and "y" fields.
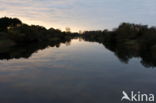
{"x": 77, "y": 72}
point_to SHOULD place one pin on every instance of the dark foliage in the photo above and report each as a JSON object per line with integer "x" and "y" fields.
{"x": 6, "y": 22}
{"x": 127, "y": 41}
{"x": 21, "y": 40}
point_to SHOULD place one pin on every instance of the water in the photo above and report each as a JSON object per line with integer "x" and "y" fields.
{"x": 79, "y": 72}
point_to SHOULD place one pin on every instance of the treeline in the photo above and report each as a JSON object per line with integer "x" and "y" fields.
{"x": 128, "y": 41}
{"x": 19, "y": 40}
{"x": 13, "y": 31}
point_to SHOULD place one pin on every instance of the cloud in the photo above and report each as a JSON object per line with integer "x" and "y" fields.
{"x": 80, "y": 14}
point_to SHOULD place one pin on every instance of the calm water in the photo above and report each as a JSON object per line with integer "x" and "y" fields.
{"x": 82, "y": 72}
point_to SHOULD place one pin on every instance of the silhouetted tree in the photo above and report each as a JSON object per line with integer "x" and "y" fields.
{"x": 6, "y": 22}
{"x": 68, "y": 30}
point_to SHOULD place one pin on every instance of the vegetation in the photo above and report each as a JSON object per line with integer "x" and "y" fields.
{"x": 14, "y": 30}
{"x": 127, "y": 41}
{"x": 6, "y": 22}
{"x": 21, "y": 40}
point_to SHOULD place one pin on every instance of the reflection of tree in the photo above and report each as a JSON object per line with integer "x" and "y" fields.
{"x": 19, "y": 40}
{"x": 128, "y": 41}
{"x": 25, "y": 51}
{"x": 80, "y": 39}
{"x": 68, "y": 43}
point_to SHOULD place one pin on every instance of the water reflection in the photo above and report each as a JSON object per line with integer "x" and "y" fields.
{"x": 83, "y": 72}
{"x": 124, "y": 54}
{"x": 25, "y": 51}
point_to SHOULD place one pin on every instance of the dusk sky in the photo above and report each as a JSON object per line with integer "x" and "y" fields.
{"x": 80, "y": 14}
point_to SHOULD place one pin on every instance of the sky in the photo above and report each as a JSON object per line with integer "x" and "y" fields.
{"x": 80, "y": 14}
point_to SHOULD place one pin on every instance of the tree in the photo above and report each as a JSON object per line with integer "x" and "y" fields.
{"x": 6, "y": 22}
{"x": 68, "y": 29}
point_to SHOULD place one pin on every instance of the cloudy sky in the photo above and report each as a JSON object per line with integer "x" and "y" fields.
{"x": 80, "y": 14}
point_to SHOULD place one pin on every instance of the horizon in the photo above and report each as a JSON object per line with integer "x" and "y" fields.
{"x": 77, "y": 51}
{"x": 80, "y": 15}
{"x": 148, "y": 26}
